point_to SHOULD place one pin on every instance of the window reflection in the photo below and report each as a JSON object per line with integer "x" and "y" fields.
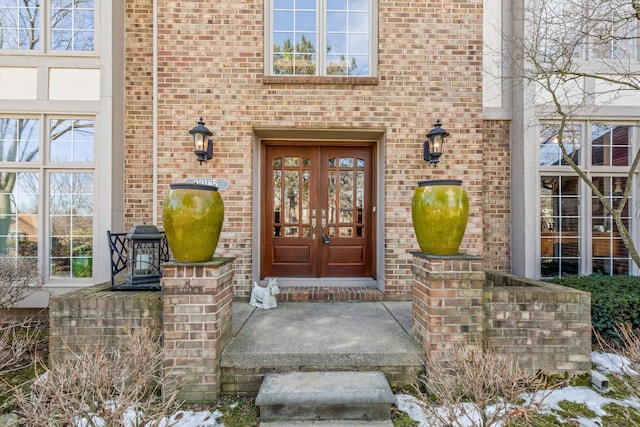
{"x": 71, "y": 140}
{"x": 20, "y": 25}
{"x": 550, "y": 150}
{"x": 297, "y": 40}
{"x": 72, "y": 25}
{"x": 610, "y": 145}
{"x": 291, "y": 197}
{"x": 19, "y": 139}
{"x": 71, "y": 223}
{"x": 610, "y": 256}
{"x": 346, "y": 196}
{"x": 19, "y": 215}
{"x": 560, "y": 225}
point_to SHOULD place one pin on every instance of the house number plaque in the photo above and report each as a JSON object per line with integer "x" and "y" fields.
{"x": 221, "y": 183}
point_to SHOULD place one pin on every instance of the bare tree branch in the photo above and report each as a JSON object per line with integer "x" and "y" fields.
{"x": 572, "y": 42}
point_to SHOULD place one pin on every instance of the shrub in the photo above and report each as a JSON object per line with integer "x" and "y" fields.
{"x": 19, "y": 277}
{"x": 22, "y": 345}
{"x": 472, "y": 386}
{"x": 103, "y": 387}
{"x": 614, "y": 300}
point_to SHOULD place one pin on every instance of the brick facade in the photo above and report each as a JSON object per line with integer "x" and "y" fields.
{"x": 447, "y": 302}
{"x": 192, "y": 316}
{"x": 196, "y": 308}
{"x": 211, "y": 63}
{"x": 496, "y": 196}
{"x": 95, "y": 317}
{"x": 545, "y": 327}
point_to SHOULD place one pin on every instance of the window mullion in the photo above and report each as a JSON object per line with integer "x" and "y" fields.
{"x": 321, "y": 35}
{"x": 586, "y": 227}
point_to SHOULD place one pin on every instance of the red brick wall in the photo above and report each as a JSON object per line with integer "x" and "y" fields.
{"x": 496, "y": 192}
{"x": 138, "y": 179}
{"x": 211, "y": 64}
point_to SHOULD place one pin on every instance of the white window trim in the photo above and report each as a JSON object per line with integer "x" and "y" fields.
{"x": 44, "y": 167}
{"x": 321, "y": 30}
{"x": 45, "y": 35}
{"x": 585, "y": 194}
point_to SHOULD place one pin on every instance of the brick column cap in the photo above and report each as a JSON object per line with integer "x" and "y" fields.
{"x": 457, "y": 257}
{"x": 213, "y": 262}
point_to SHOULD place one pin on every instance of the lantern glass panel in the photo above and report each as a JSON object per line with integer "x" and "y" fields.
{"x": 143, "y": 265}
{"x": 437, "y": 144}
{"x": 146, "y": 258}
{"x": 198, "y": 140}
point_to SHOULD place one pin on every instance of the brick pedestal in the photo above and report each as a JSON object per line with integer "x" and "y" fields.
{"x": 196, "y": 324}
{"x": 447, "y": 301}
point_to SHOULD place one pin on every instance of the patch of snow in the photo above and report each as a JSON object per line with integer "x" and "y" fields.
{"x": 611, "y": 363}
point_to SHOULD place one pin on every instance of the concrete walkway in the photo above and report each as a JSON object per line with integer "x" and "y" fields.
{"x": 322, "y": 334}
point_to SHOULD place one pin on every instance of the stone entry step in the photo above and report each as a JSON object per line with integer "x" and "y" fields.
{"x": 322, "y": 396}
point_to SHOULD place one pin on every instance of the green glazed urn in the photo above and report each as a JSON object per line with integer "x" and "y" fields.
{"x": 192, "y": 215}
{"x": 439, "y": 210}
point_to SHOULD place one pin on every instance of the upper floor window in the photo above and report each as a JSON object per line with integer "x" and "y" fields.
{"x": 589, "y": 30}
{"x": 68, "y": 25}
{"x": 318, "y": 37}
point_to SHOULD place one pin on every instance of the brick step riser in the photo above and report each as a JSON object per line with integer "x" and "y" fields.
{"x": 313, "y": 293}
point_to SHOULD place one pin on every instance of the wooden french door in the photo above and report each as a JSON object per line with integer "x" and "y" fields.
{"x": 318, "y": 211}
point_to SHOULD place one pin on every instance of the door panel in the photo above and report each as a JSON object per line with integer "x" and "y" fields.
{"x": 345, "y": 179}
{"x": 318, "y": 204}
{"x": 289, "y": 248}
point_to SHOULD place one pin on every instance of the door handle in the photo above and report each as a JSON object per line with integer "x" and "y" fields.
{"x": 325, "y": 238}
{"x": 313, "y": 228}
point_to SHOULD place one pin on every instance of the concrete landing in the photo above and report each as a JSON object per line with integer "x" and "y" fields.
{"x": 319, "y": 336}
{"x": 323, "y": 334}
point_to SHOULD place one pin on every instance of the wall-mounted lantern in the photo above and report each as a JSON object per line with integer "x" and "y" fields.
{"x": 434, "y": 144}
{"x": 203, "y": 145}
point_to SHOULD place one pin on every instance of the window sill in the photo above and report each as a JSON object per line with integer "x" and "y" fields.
{"x": 320, "y": 80}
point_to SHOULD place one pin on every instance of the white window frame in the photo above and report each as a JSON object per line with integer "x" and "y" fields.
{"x": 321, "y": 48}
{"x": 44, "y": 167}
{"x": 45, "y": 35}
{"x": 585, "y": 194}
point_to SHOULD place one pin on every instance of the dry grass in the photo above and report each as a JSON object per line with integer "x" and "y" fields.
{"x": 102, "y": 386}
{"x": 629, "y": 347}
{"x": 471, "y": 386}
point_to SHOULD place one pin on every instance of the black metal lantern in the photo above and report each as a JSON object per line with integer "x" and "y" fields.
{"x": 144, "y": 252}
{"x": 434, "y": 144}
{"x": 203, "y": 146}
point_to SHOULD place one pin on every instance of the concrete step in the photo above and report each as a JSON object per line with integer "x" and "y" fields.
{"x": 324, "y": 396}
